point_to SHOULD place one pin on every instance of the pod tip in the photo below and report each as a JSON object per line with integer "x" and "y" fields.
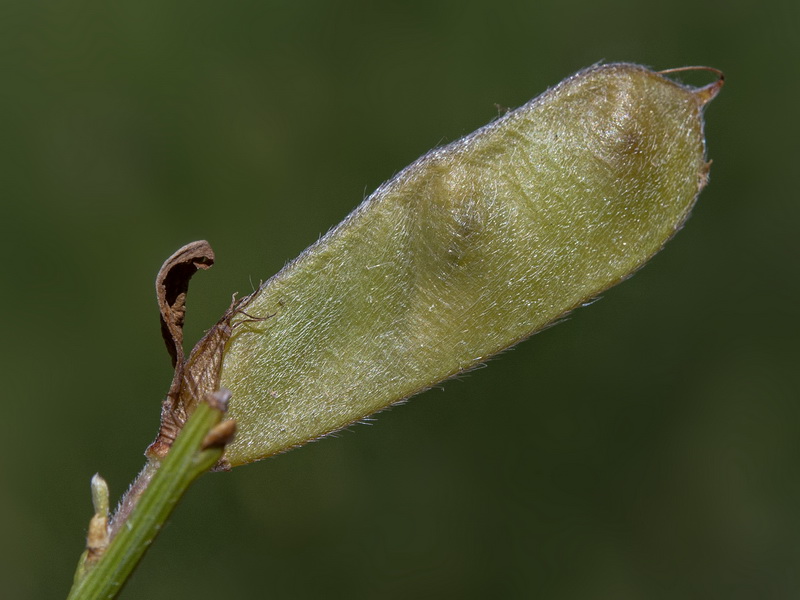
{"x": 708, "y": 92}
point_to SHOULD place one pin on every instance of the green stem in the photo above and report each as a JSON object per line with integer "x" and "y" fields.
{"x": 185, "y": 461}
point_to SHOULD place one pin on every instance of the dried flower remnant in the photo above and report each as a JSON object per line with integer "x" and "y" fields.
{"x": 198, "y": 377}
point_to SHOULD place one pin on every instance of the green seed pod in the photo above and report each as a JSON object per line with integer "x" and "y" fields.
{"x": 472, "y": 248}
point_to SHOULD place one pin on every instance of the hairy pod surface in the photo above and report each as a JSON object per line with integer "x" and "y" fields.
{"x": 472, "y": 248}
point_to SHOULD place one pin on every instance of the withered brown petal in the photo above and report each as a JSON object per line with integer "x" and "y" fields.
{"x": 172, "y": 285}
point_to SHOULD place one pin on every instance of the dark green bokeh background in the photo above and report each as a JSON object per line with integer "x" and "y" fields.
{"x": 646, "y": 448}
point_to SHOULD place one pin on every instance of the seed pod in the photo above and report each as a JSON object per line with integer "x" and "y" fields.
{"x": 472, "y": 248}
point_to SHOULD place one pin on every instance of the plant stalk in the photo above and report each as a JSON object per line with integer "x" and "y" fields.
{"x": 188, "y": 458}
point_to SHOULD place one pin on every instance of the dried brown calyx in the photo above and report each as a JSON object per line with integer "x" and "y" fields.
{"x": 197, "y": 377}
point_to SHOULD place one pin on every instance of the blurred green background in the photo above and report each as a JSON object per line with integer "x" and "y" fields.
{"x": 646, "y": 448}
